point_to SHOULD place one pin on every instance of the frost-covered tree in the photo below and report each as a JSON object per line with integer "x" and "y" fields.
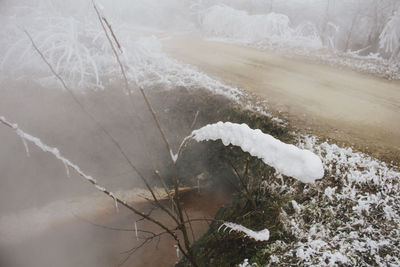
{"x": 390, "y": 36}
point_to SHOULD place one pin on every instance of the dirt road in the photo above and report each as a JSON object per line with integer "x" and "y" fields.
{"x": 351, "y": 108}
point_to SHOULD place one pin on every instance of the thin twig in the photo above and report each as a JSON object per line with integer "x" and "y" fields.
{"x": 113, "y": 48}
{"x": 122, "y": 262}
{"x": 195, "y": 119}
{"x": 202, "y": 220}
{"x": 246, "y": 171}
{"x": 244, "y": 186}
{"x": 183, "y": 144}
{"x": 167, "y": 191}
{"x": 155, "y": 118}
{"x": 180, "y": 218}
{"x": 118, "y": 229}
{"x": 152, "y": 236}
{"x": 131, "y": 101}
{"x": 148, "y": 213}
{"x": 190, "y": 224}
{"x": 98, "y": 124}
{"x": 112, "y": 33}
{"x": 150, "y": 108}
{"x": 123, "y": 72}
{"x": 131, "y": 251}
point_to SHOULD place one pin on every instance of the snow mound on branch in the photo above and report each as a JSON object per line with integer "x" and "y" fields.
{"x": 287, "y": 159}
{"x": 262, "y": 235}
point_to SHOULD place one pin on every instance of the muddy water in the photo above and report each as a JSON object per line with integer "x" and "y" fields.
{"x": 84, "y": 241}
{"x": 351, "y": 108}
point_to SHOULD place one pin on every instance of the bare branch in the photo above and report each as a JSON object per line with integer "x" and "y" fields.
{"x": 114, "y": 228}
{"x": 203, "y": 220}
{"x": 190, "y": 224}
{"x": 195, "y": 119}
{"x": 98, "y": 124}
{"x": 132, "y": 251}
{"x": 167, "y": 191}
{"x": 180, "y": 219}
{"x": 113, "y": 48}
{"x": 88, "y": 178}
{"x": 244, "y": 185}
{"x": 149, "y": 106}
{"x": 182, "y": 145}
{"x": 148, "y": 213}
{"x": 50, "y": 67}
{"x": 100, "y": 17}
{"x": 112, "y": 33}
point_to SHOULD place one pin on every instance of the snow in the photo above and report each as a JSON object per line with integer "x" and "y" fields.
{"x": 26, "y": 147}
{"x": 246, "y": 263}
{"x": 177, "y": 251}
{"x": 287, "y": 159}
{"x": 350, "y": 215}
{"x": 111, "y": 194}
{"x": 136, "y": 232}
{"x": 262, "y": 235}
{"x": 330, "y": 192}
{"x": 223, "y": 21}
{"x": 66, "y": 169}
{"x": 296, "y": 206}
{"x": 174, "y": 157}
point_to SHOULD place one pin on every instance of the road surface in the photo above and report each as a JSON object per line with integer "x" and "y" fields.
{"x": 351, "y": 108}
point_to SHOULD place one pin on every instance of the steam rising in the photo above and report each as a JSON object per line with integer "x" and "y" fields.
{"x": 71, "y": 39}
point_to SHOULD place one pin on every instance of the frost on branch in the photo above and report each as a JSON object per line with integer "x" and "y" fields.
{"x": 287, "y": 159}
{"x": 53, "y": 150}
{"x": 262, "y": 235}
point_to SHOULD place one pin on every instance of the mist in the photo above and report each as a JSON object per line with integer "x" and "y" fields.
{"x": 34, "y": 185}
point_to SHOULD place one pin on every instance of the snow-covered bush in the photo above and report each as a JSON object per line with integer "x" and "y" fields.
{"x": 72, "y": 41}
{"x": 238, "y": 25}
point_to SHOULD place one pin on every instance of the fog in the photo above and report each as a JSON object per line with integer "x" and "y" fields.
{"x": 69, "y": 36}
{"x": 41, "y": 204}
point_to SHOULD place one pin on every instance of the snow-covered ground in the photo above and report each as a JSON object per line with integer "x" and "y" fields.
{"x": 352, "y": 216}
